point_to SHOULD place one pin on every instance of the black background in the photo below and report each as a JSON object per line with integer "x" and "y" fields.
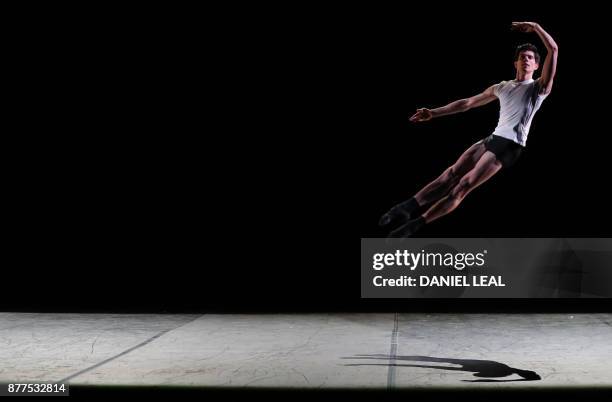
{"x": 231, "y": 160}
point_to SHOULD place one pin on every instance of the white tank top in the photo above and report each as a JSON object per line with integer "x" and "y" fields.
{"x": 519, "y": 101}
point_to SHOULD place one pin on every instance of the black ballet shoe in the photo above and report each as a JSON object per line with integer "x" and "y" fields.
{"x": 400, "y": 213}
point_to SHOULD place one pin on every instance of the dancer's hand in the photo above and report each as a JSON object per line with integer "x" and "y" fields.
{"x": 524, "y": 26}
{"x": 421, "y": 115}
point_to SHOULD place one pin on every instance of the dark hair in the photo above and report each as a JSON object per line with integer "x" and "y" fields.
{"x": 525, "y": 47}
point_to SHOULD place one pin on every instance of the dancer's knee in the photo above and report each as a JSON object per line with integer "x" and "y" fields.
{"x": 461, "y": 189}
{"x": 450, "y": 175}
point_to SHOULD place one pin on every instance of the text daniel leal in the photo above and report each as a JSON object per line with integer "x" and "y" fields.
{"x": 477, "y": 280}
{"x": 444, "y": 280}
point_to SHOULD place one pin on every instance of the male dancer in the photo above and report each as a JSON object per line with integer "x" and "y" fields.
{"x": 519, "y": 100}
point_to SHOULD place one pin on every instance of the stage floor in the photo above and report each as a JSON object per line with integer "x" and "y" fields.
{"x": 314, "y": 351}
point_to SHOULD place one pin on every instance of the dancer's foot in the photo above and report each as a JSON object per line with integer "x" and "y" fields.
{"x": 400, "y": 213}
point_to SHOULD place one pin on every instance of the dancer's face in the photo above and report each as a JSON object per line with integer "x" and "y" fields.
{"x": 526, "y": 62}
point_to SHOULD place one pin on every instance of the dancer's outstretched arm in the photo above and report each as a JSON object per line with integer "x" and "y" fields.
{"x": 458, "y": 106}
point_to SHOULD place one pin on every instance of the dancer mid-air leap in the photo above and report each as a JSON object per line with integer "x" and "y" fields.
{"x": 519, "y": 100}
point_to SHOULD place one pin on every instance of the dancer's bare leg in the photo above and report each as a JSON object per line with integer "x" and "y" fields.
{"x": 485, "y": 168}
{"x": 441, "y": 186}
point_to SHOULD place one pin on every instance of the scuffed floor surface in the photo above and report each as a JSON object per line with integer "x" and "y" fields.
{"x": 312, "y": 351}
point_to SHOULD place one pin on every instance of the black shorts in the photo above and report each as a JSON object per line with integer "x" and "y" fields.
{"x": 506, "y": 151}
